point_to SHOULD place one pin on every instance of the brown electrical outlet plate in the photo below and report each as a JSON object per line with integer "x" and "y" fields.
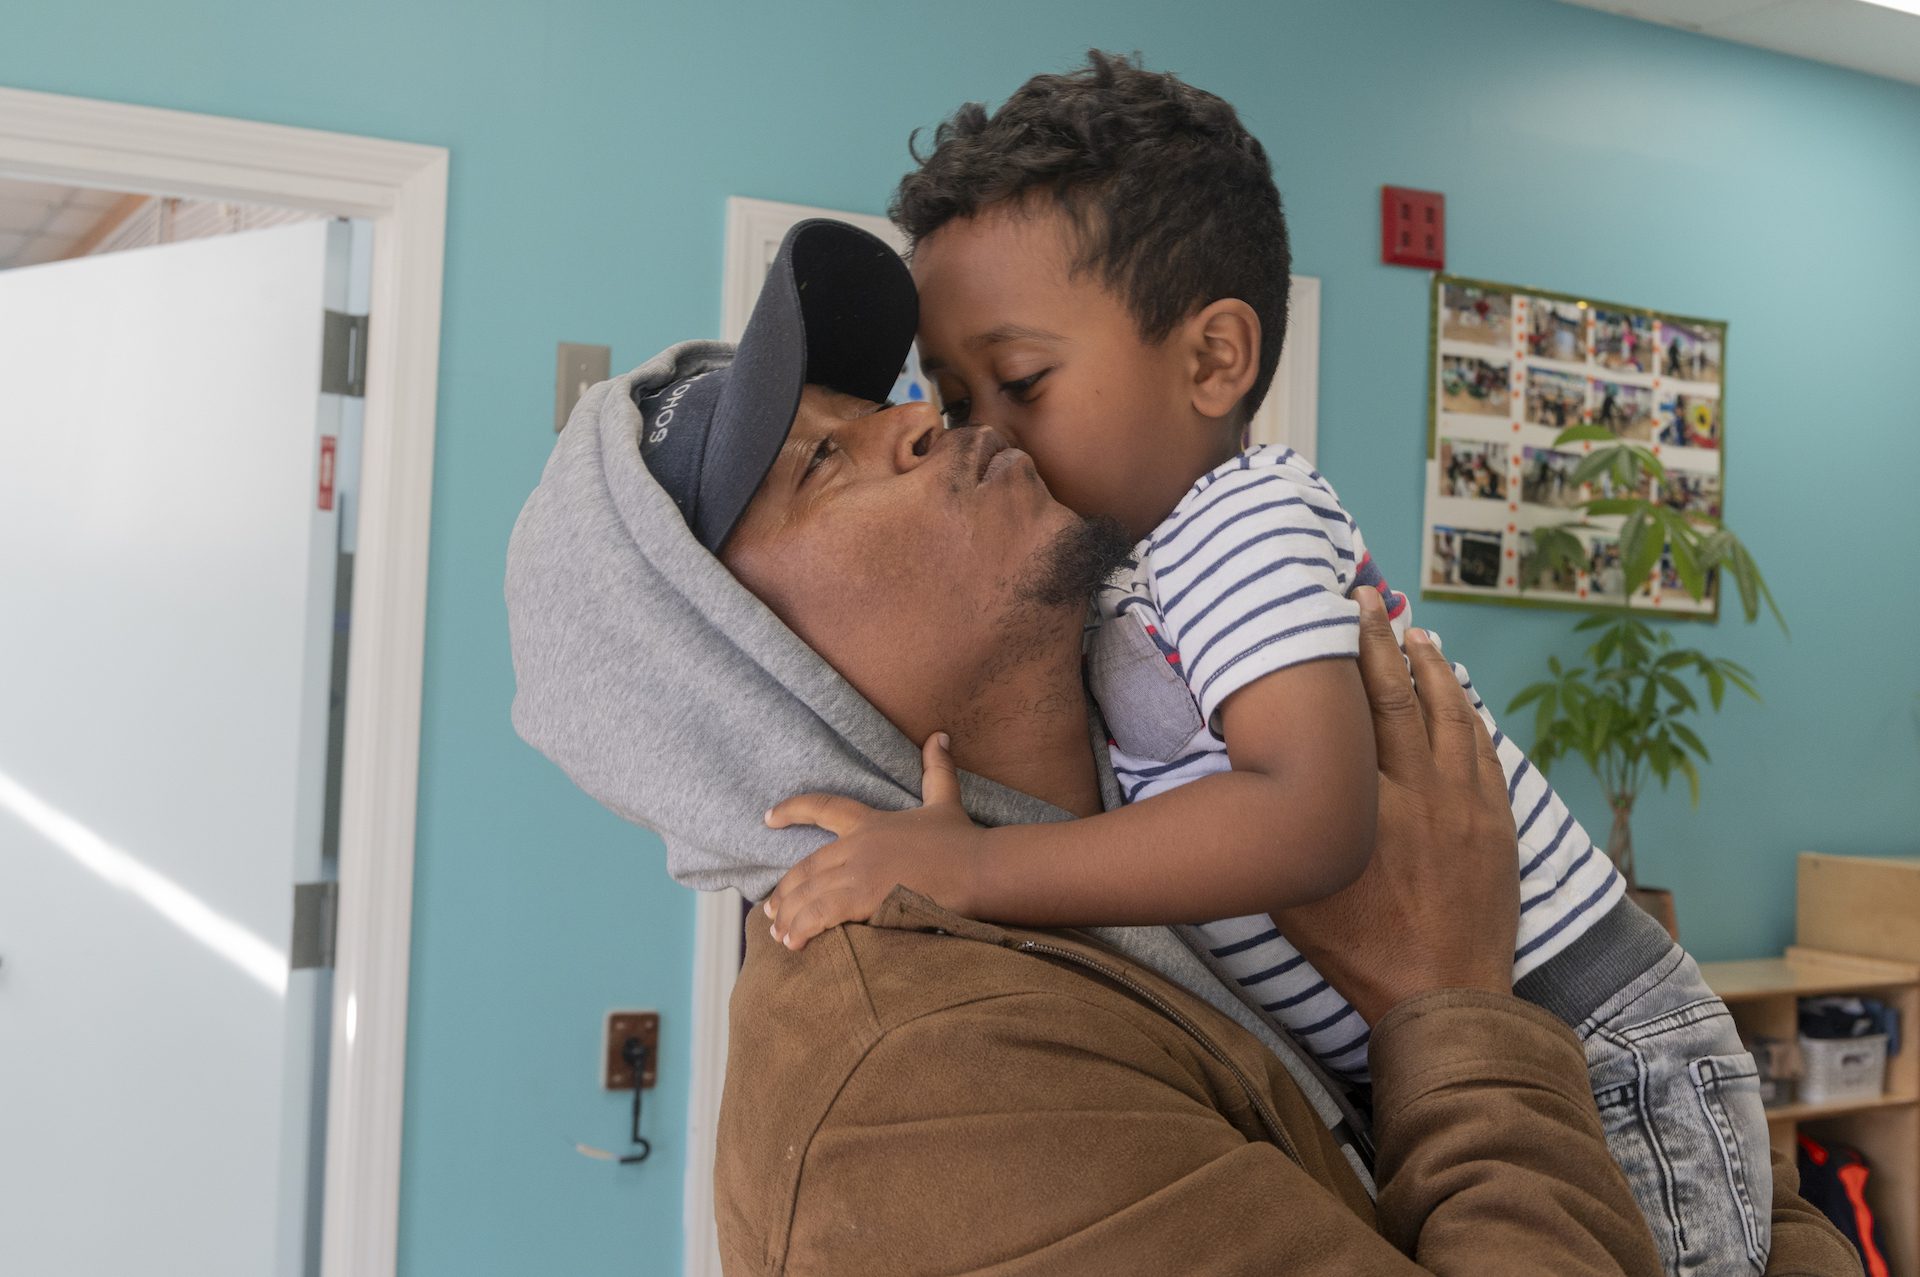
{"x": 615, "y": 1073}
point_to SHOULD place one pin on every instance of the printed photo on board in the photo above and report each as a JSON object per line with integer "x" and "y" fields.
{"x": 1479, "y": 315}
{"x": 1555, "y": 398}
{"x": 1473, "y": 385}
{"x": 1556, "y": 330}
{"x": 1546, "y": 478}
{"x": 1672, "y": 585}
{"x": 1556, "y": 579}
{"x": 1606, "y": 574}
{"x": 1471, "y": 468}
{"x": 1622, "y": 341}
{"x": 1605, "y": 488}
{"x": 1690, "y": 352}
{"x": 1689, "y": 421}
{"x": 1624, "y": 409}
{"x": 1691, "y": 492}
{"x": 1466, "y": 556}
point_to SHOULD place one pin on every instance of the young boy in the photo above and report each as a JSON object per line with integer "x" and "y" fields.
{"x": 1103, "y": 270}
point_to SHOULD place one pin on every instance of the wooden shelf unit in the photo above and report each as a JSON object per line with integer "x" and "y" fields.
{"x": 1764, "y": 995}
{"x": 1859, "y": 933}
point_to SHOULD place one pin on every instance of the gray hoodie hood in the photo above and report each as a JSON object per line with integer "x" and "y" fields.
{"x": 672, "y": 695}
{"x": 663, "y": 687}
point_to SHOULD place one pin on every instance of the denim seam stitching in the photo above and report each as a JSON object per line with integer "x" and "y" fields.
{"x": 1644, "y": 1120}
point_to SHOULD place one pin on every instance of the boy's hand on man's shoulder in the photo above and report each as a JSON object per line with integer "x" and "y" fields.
{"x": 931, "y": 849}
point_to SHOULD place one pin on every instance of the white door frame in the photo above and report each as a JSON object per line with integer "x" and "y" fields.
{"x": 402, "y": 188}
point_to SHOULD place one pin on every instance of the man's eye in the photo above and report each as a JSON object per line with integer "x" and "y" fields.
{"x": 824, "y": 450}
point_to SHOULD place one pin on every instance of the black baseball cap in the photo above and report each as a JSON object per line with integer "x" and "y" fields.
{"x": 839, "y": 310}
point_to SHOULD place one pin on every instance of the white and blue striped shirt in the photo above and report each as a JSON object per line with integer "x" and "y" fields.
{"x": 1250, "y": 575}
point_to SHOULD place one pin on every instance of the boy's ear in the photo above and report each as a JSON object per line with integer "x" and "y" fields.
{"x": 1224, "y": 340}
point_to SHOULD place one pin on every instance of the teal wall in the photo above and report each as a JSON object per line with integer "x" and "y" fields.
{"x": 593, "y": 145}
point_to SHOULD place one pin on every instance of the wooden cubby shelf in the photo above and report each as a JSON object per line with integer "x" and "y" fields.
{"x": 1859, "y": 933}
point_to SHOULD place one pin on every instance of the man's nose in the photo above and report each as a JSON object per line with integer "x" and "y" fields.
{"x": 910, "y": 431}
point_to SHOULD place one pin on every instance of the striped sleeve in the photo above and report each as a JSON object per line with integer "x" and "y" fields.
{"x": 1251, "y": 576}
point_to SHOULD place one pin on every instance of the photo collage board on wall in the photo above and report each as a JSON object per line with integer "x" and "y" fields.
{"x": 1511, "y": 368}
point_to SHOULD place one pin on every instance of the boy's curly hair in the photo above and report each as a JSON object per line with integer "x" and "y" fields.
{"x": 1172, "y": 199}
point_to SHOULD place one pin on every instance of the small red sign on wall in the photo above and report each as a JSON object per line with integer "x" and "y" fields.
{"x": 1413, "y": 227}
{"x": 327, "y": 445}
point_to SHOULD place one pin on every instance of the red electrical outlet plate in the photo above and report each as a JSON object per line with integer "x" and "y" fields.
{"x": 1413, "y": 227}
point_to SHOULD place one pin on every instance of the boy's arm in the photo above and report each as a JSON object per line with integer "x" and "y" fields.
{"x": 1252, "y": 588}
{"x": 1292, "y": 822}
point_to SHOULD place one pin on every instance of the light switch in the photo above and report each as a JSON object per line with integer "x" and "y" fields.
{"x": 580, "y": 367}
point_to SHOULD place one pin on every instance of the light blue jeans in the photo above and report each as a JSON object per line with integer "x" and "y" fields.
{"x": 1679, "y": 1098}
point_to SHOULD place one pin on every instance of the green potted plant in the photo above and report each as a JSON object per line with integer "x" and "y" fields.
{"x": 1628, "y": 710}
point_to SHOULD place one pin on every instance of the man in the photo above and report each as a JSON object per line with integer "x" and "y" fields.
{"x": 929, "y": 1093}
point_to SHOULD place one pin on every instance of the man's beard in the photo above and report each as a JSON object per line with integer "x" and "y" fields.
{"x": 1050, "y": 604}
{"x": 1070, "y": 567}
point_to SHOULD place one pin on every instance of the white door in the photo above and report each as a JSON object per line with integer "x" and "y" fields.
{"x": 166, "y": 631}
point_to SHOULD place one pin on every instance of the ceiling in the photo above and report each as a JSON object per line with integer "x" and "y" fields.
{"x": 43, "y": 223}
{"x": 1848, "y": 33}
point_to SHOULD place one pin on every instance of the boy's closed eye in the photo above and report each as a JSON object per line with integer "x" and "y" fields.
{"x": 957, "y": 406}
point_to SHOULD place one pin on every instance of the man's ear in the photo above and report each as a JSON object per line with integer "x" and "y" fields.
{"x": 1224, "y": 341}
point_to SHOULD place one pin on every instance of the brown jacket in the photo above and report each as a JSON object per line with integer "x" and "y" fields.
{"x": 929, "y": 1094}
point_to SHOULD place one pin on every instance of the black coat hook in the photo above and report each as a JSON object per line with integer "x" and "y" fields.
{"x": 634, "y": 1052}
